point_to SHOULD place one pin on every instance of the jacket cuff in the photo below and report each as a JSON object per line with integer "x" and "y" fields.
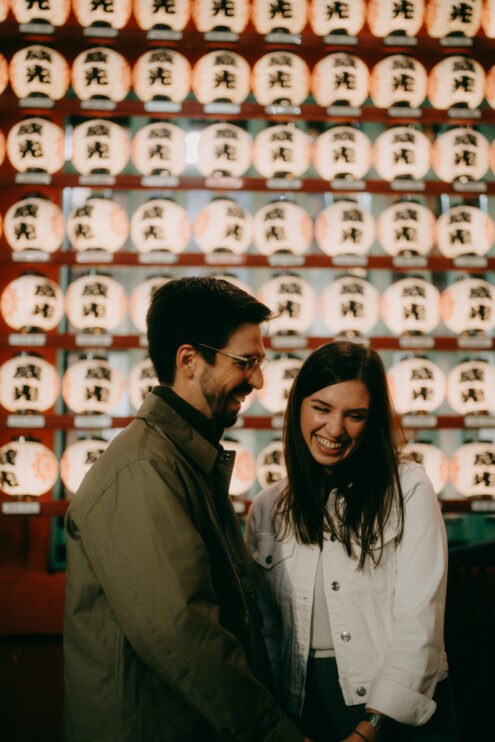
{"x": 400, "y": 703}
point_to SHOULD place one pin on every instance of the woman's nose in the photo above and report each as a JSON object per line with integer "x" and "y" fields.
{"x": 335, "y": 425}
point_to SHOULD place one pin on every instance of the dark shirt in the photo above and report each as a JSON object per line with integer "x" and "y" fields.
{"x": 205, "y": 426}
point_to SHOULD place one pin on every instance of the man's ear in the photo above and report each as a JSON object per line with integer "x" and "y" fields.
{"x": 186, "y": 360}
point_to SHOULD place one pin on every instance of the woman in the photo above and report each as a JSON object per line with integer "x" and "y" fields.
{"x": 351, "y": 558}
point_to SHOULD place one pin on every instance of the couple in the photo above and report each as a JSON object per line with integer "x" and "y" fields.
{"x": 332, "y": 630}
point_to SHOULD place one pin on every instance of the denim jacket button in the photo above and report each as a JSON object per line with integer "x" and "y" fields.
{"x": 335, "y": 585}
{"x": 269, "y": 559}
{"x": 345, "y": 636}
{"x": 361, "y": 691}
{"x": 333, "y": 537}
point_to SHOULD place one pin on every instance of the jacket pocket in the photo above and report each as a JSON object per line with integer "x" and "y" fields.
{"x": 269, "y": 553}
{"x": 273, "y": 558}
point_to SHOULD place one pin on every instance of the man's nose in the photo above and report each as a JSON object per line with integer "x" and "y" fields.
{"x": 256, "y": 378}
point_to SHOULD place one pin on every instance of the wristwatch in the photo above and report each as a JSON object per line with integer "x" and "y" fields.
{"x": 375, "y": 720}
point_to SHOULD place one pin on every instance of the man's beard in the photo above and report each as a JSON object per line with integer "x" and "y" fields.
{"x": 218, "y": 401}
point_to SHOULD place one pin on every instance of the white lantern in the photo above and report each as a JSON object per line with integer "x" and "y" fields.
{"x": 406, "y": 228}
{"x": 270, "y": 464}
{"x": 38, "y": 70}
{"x": 77, "y": 460}
{"x": 286, "y": 17}
{"x": 2, "y": 147}
{"x": 140, "y": 299}
{"x": 488, "y": 18}
{"x": 416, "y": 385}
{"x": 114, "y": 14}
{"x": 98, "y": 224}
{"x": 95, "y": 302}
{"x": 100, "y": 145}
{"x": 101, "y": 72}
{"x": 390, "y": 17}
{"x": 279, "y": 376}
{"x": 92, "y": 385}
{"x": 281, "y": 77}
{"x": 4, "y": 72}
{"x": 282, "y": 226}
{"x": 340, "y": 78}
{"x": 4, "y": 9}
{"x": 350, "y": 306}
{"x": 224, "y": 150}
{"x": 211, "y": 15}
{"x": 54, "y": 12}
{"x": 448, "y": 17}
{"x": 162, "y": 15}
{"x": 492, "y": 156}
{"x": 221, "y": 75}
{"x": 461, "y": 153}
{"x": 162, "y": 74}
{"x": 34, "y": 224}
{"x": 244, "y": 471}
{"x": 411, "y": 305}
{"x": 36, "y": 144}
{"x": 472, "y": 469}
{"x": 456, "y": 81}
{"x": 402, "y": 152}
{"x": 464, "y": 230}
{"x": 398, "y": 80}
{"x": 27, "y": 468}
{"x": 344, "y": 228}
{"x": 468, "y": 305}
{"x": 160, "y": 225}
{"x": 282, "y": 150}
{"x": 471, "y": 387}
{"x": 160, "y": 149}
{"x": 223, "y": 226}
{"x": 490, "y": 86}
{"x": 28, "y": 383}
{"x": 142, "y": 379}
{"x": 342, "y": 152}
{"x": 433, "y": 459}
{"x": 32, "y": 302}
{"x": 344, "y": 17}
{"x": 293, "y": 303}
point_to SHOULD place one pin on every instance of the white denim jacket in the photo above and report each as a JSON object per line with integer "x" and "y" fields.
{"x": 387, "y": 622}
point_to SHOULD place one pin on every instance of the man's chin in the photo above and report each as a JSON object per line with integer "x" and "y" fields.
{"x": 227, "y": 419}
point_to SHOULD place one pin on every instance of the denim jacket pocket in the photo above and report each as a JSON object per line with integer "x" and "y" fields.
{"x": 269, "y": 552}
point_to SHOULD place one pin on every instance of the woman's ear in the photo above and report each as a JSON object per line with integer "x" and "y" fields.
{"x": 186, "y": 360}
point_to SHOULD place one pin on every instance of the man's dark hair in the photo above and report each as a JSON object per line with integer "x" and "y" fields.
{"x": 196, "y": 310}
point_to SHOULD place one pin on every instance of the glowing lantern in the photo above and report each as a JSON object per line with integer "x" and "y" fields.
{"x": 28, "y": 383}
{"x": 398, "y": 80}
{"x": 4, "y": 9}
{"x": 292, "y": 301}
{"x": 433, "y": 459}
{"x": 95, "y": 302}
{"x": 342, "y": 152}
{"x": 449, "y": 17}
{"x": 4, "y": 72}
{"x": 223, "y": 226}
{"x": 210, "y": 15}
{"x": 2, "y": 147}
{"x": 34, "y": 224}
{"x": 350, "y": 306}
{"x": 270, "y": 464}
{"x": 464, "y": 230}
{"x": 101, "y": 72}
{"x": 39, "y": 70}
{"x": 490, "y": 86}
{"x": 244, "y": 471}
{"x": 36, "y": 144}
{"x": 468, "y": 305}
{"x": 159, "y": 149}
{"x": 416, "y": 385}
{"x": 27, "y": 468}
{"x": 77, "y": 460}
{"x": 472, "y": 469}
{"x": 488, "y": 18}
{"x": 221, "y": 75}
{"x": 411, "y": 305}
{"x": 160, "y": 225}
{"x": 287, "y": 17}
{"x": 224, "y": 150}
{"x": 471, "y": 387}
{"x": 344, "y": 228}
{"x": 282, "y": 226}
{"x": 281, "y": 77}
{"x": 162, "y": 15}
{"x": 402, "y": 152}
{"x": 282, "y": 150}
{"x": 456, "y": 81}
{"x": 279, "y": 376}
{"x": 32, "y": 302}
{"x": 390, "y": 17}
{"x": 142, "y": 379}
{"x": 406, "y": 228}
{"x": 162, "y": 74}
{"x": 461, "y": 154}
{"x": 100, "y": 146}
{"x": 54, "y": 12}
{"x": 140, "y": 299}
{"x": 340, "y": 78}
{"x": 92, "y": 385}
{"x": 98, "y": 224}
{"x": 346, "y": 17}
{"x": 114, "y": 14}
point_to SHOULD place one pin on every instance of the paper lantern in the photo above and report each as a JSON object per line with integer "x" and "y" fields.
{"x": 468, "y": 305}
{"x": 456, "y": 81}
{"x": 344, "y": 228}
{"x": 293, "y": 303}
{"x": 279, "y": 376}
{"x": 77, "y": 460}
{"x": 340, "y": 78}
{"x": 211, "y": 15}
{"x": 95, "y": 302}
{"x": 411, "y": 305}
{"x": 223, "y": 226}
{"x": 402, "y": 152}
{"x": 398, "y": 80}
{"x": 28, "y": 383}
{"x": 281, "y": 77}
{"x": 159, "y": 149}
{"x": 142, "y": 379}
{"x": 2, "y": 147}
{"x": 434, "y": 461}
{"x": 282, "y": 226}
{"x": 224, "y": 150}
{"x": 98, "y": 224}
{"x": 162, "y": 15}
{"x": 449, "y": 17}
{"x": 488, "y": 18}
{"x": 471, "y": 387}
{"x": 490, "y": 86}
{"x": 114, "y": 14}
{"x": 162, "y": 74}
{"x": 244, "y": 471}
{"x": 416, "y": 385}
{"x": 92, "y": 385}
{"x": 4, "y": 72}
{"x": 406, "y": 228}
{"x": 350, "y": 306}
{"x": 347, "y": 17}
{"x": 36, "y": 144}
{"x": 101, "y": 72}
{"x": 40, "y": 71}
{"x": 221, "y": 75}
{"x": 282, "y": 150}
{"x": 4, "y": 9}
{"x": 140, "y": 299}
{"x": 100, "y": 146}
{"x": 27, "y": 468}
{"x": 34, "y": 224}
{"x": 390, "y": 17}
{"x": 160, "y": 225}
{"x": 472, "y": 469}
{"x": 461, "y": 153}
{"x": 464, "y": 230}
{"x": 32, "y": 302}
{"x": 283, "y": 17}
{"x": 270, "y": 464}
{"x": 54, "y": 12}
{"x": 342, "y": 152}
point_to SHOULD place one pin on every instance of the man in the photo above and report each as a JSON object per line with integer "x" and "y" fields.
{"x": 162, "y": 639}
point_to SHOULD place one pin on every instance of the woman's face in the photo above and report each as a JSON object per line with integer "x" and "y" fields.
{"x": 333, "y": 420}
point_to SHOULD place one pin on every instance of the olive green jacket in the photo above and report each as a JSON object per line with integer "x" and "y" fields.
{"x": 162, "y": 640}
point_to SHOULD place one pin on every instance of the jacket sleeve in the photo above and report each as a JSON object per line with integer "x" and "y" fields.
{"x": 404, "y": 687}
{"x": 154, "y": 569}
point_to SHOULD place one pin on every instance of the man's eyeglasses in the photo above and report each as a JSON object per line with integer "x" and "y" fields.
{"x": 246, "y": 363}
